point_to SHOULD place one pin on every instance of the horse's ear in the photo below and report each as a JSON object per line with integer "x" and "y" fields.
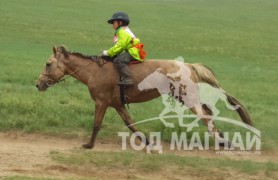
{"x": 54, "y": 50}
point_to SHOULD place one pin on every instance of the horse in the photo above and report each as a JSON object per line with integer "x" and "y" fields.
{"x": 101, "y": 78}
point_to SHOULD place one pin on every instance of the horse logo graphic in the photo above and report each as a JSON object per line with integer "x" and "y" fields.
{"x": 180, "y": 93}
{"x": 193, "y": 87}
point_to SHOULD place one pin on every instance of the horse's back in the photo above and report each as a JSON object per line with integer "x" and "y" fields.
{"x": 150, "y": 66}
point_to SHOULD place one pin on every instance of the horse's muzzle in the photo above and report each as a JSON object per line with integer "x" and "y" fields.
{"x": 42, "y": 87}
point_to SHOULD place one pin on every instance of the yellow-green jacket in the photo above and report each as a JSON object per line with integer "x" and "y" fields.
{"x": 124, "y": 41}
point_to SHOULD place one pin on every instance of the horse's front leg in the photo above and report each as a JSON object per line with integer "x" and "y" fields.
{"x": 100, "y": 109}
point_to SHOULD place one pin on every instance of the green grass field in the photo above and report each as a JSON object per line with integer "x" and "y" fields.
{"x": 237, "y": 39}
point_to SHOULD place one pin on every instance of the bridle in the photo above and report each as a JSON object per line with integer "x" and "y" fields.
{"x": 51, "y": 82}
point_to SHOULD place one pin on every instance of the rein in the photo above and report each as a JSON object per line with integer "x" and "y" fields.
{"x": 69, "y": 75}
{"x": 53, "y": 82}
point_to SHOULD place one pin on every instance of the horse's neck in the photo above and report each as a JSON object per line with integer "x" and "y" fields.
{"x": 80, "y": 68}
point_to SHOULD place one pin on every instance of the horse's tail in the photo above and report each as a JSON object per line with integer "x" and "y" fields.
{"x": 204, "y": 74}
{"x": 244, "y": 115}
{"x": 228, "y": 105}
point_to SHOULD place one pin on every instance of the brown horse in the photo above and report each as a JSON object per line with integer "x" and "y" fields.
{"x": 101, "y": 79}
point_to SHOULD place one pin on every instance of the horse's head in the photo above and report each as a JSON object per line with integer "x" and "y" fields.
{"x": 54, "y": 69}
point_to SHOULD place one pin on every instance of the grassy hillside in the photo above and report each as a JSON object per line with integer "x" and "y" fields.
{"x": 237, "y": 39}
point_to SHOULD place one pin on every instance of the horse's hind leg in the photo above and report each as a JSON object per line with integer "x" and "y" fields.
{"x": 204, "y": 113}
{"x": 128, "y": 121}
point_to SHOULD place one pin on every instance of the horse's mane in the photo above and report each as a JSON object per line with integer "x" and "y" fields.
{"x": 66, "y": 53}
{"x": 82, "y": 55}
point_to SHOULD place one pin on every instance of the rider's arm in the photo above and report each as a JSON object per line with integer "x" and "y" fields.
{"x": 123, "y": 40}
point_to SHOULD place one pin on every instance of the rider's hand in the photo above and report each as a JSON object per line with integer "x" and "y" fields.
{"x": 104, "y": 53}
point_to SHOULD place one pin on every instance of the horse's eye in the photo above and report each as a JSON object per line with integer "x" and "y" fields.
{"x": 48, "y": 64}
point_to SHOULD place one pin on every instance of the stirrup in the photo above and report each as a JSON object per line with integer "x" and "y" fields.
{"x": 125, "y": 82}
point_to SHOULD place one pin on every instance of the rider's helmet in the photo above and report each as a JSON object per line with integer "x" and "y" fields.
{"x": 120, "y": 16}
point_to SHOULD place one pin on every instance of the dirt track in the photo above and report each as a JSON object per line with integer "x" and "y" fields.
{"x": 29, "y": 155}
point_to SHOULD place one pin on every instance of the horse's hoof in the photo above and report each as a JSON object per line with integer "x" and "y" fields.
{"x": 223, "y": 144}
{"x": 230, "y": 145}
{"x": 87, "y": 146}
